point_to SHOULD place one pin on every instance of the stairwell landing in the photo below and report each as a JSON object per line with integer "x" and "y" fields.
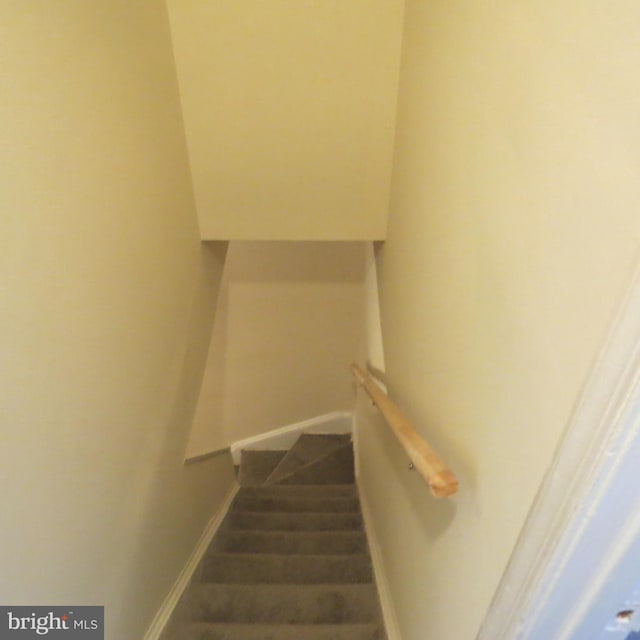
{"x": 290, "y": 560}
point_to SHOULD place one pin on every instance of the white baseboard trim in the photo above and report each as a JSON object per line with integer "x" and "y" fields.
{"x": 284, "y": 437}
{"x": 384, "y": 591}
{"x": 161, "y": 618}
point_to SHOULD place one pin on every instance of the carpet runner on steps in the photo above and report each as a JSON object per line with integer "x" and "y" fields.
{"x": 290, "y": 561}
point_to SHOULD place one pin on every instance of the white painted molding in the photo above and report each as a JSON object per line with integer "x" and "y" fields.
{"x": 384, "y": 591}
{"x": 373, "y": 324}
{"x": 161, "y": 618}
{"x": 374, "y": 351}
{"x": 201, "y": 457}
{"x": 355, "y": 438}
{"x": 597, "y": 440}
{"x": 285, "y": 437}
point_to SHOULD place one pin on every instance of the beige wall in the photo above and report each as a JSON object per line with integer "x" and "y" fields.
{"x": 107, "y": 305}
{"x": 287, "y": 326}
{"x": 289, "y": 110}
{"x": 513, "y": 231}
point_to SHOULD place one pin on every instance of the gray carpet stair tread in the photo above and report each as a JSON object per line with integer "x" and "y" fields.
{"x": 336, "y": 467}
{"x": 308, "y": 447}
{"x": 222, "y": 631}
{"x": 256, "y": 466}
{"x": 296, "y": 504}
{"x": 299, "y": 542}
{"x": 244, "y": 568}
{"x": 290, "y": 560}
{"x": 290, "y": 604}
{"x": 293, "y": 521}
{"x": 325, "y": 490}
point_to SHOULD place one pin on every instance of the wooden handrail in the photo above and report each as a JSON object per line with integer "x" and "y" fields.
{"x": 441, "y": 480}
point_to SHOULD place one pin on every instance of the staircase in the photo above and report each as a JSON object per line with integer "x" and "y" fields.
{"x": 290, "y": 561}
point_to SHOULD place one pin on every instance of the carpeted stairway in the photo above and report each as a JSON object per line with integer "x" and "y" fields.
{"x": 290, "y": 561}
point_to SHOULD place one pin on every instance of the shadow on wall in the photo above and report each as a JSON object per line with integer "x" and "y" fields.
{"x": 291, "y": 262}
{"x": 168, "y": 510}
{"x": 433, "y": 515}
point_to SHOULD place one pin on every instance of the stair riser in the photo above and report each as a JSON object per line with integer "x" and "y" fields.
{"x": 294, "y": 542}
{"x": 294, "y": 522}
{"x": 212, "y": 631}
{"x": 303, "y": 490}
{"x": 285, "y": 604}
{"x": 296, "y": 505}
{"x": 283, "y": 569}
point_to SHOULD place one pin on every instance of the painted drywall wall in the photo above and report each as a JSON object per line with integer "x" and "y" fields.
{"x": 512, "y": 236}
{"x": 289, "y": 109}
{"x": 287, "y": 327}
{"x": 107, "y": 302}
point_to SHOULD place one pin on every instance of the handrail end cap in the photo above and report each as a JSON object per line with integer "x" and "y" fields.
{"x": 443, "y": 484}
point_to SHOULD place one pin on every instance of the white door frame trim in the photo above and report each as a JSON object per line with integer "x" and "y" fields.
{"x": 602, "y": 431}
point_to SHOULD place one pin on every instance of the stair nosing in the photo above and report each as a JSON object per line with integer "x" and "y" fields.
{"x": 338, "y": 625}
{"x": 371, "y": 626}
{"x": 276, "y": 530}
{"x": 260, "y": 554}
{"x": 289, "y": 585}
{"x": 320, "y": 507}
{"x": 329, "y": 585}
{"x": 271, "y": 487}
{"x": 318, "y": 498}
{"x": 298, "y": 513}
{"x": 296, "y": 533}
